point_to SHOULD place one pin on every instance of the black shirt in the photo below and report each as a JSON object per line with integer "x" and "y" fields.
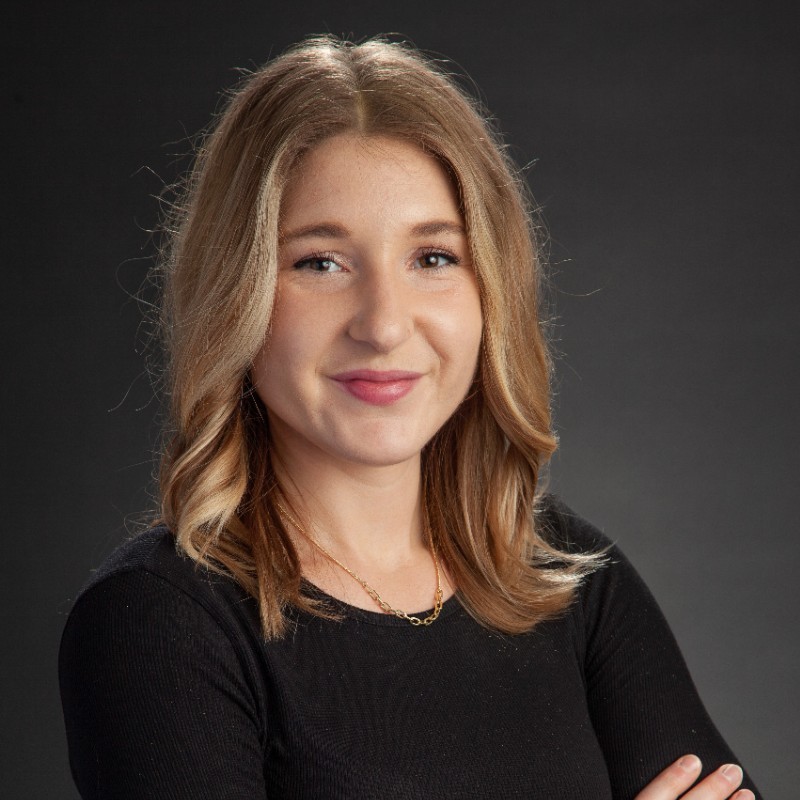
{"x": 170, "y": 691}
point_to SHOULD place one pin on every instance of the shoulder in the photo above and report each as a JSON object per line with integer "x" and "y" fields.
{"x": 147, "y": 596}
{"x": 613, "y": 591}
{"x": 149, "y": 618}
{"x": 615, "y": 607}
{"x": 151, "y": 562}
{"x": 154, "y": 552}
{"x": 566, "y": 530}
{"x": 154, "y": 647}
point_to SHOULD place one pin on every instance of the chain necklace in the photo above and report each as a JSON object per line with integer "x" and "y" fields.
{"x": 383, "y": 605}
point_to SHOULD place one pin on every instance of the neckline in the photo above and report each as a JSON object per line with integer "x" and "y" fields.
{"x": 355, "y": 614}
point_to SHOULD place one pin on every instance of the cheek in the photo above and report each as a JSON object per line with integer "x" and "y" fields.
{"x": 464, "y": 331}
{"x": 457, "y": 341}
{"x": 292, "y": 354}
{"x": 273, "y": 365}
{"x": 472, "y": 351}
{"x": 285, "y": 341}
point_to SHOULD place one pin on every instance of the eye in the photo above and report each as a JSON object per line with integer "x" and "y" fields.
{"x": 318, "y": 263}
{"x": 436, "y": 259}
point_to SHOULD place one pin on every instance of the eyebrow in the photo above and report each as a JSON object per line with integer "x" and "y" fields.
{"x": 331, "y": 230}
{"x": 325, "y": 230}
{"x": 437, "y": 227}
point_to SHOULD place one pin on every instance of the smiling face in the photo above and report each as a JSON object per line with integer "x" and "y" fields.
{"x": 376, "y": 327}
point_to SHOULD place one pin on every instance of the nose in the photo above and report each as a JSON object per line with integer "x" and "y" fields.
{"x": 383, "y": 316}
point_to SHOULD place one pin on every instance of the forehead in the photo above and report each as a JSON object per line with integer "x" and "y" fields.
{"x": 368, "y": 176}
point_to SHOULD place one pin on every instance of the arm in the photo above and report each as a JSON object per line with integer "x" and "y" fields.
{"x": 643, "y": 703}
{"x": 156, "y": 702}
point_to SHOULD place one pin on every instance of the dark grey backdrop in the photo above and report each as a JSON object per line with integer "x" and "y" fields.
{"x": 662, "y": 143}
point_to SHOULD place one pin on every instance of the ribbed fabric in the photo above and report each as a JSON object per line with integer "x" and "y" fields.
{"x": 170, "y": 692}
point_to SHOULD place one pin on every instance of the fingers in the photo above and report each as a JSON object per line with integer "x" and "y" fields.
{"x": 721, "y": 784}
{"x": 673, "y": 781}
{"x": 677, "y": 779}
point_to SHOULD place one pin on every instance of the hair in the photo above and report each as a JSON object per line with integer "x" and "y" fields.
{"x": 481, "y": 471}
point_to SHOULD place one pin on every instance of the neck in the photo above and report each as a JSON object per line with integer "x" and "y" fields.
{"x": 363, "y": 513}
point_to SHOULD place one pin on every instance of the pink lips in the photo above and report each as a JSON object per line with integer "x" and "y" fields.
{"x": 379, "y": 388}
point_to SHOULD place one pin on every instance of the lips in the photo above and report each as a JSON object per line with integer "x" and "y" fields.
{"x": 377, "y": 387}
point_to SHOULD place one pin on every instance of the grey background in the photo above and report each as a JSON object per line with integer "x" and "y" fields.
{"x": 661, "y": 139}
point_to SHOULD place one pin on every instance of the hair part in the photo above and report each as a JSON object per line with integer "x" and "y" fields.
{"x": 481, "y": 472}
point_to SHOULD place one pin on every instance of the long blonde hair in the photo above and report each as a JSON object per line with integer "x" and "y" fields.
{"x": 482, "y": 469}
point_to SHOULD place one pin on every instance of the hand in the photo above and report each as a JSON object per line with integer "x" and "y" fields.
{"x": 678, "y": 777}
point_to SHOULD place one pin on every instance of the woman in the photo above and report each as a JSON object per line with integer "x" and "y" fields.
{"x": 359, "y": 388}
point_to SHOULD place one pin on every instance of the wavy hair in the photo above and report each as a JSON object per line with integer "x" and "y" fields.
{"x": 481, "y": 471}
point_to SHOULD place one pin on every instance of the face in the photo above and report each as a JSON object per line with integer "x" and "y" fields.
{"x": 376, "y": 328}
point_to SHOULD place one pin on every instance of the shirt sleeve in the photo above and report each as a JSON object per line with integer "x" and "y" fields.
{"x": 156, "y": 702}
{"x": 643, "y": 703}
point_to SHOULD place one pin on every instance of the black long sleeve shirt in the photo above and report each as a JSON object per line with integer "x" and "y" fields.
{"x": 170, "y": 691}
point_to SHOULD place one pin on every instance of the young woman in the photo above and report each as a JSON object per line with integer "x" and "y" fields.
{"x": 360, "y": 398}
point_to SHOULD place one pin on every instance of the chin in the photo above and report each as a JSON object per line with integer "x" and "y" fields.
{"x": 380, "y": 448}
{"x": 374, "y": 454}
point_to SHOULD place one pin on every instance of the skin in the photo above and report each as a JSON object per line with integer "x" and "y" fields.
{"x": 676, "y": 779}
{"x": 374, "y": 273}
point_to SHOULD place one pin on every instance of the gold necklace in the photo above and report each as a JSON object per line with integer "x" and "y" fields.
{"x": 384, "y": 606}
